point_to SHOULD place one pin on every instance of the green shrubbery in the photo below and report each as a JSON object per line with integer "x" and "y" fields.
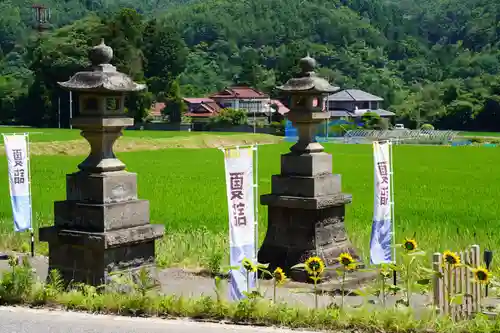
{"x": 229, "y": 117}
{"x": 427, "y": 127}
{"x": 124, "y": 296}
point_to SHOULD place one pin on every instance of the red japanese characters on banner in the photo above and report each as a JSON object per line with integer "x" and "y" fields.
{"x": 382, "y": 231}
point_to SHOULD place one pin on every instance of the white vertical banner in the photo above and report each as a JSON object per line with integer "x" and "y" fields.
{"x": 240, "y": 197}
{"x": 382, "y": 227}
{"x": 16, "y": 149}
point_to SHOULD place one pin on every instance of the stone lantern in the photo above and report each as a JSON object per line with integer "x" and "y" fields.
{"x": 102, "y": 227}
{"x": 306, "y": 207}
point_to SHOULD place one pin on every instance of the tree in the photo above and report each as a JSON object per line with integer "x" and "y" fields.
{"x": 165, "y": 56}
{"x": 229, "y": 117}
{"x": 124, "y": 35}
{"x": 139, "y": 105}
{"x": 174, "y": 105}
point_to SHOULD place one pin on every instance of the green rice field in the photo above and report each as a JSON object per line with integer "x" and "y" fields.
{"x": 447, "y": 197}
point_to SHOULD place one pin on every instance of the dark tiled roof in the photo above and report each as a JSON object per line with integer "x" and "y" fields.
{"x": 340, "y": 114}
{"x": 156, "y": 109}
{"x": 196, "y": 100}
{"x": 349, "y": 95}
{"x": 199, "y": 115}
{"x": 239, "y": 92}
{"x": 208, "y": 109}
{"x": 345, "y": 113}
{"x": 282, "y": 109}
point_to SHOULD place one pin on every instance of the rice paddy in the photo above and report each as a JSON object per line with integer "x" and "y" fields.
{"x": 444, "y": 196}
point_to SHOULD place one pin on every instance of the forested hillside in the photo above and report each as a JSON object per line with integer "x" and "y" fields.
{"x": 434, "y": 61}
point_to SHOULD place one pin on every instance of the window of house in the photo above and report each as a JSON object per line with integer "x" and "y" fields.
{"x": 363, "y": 105}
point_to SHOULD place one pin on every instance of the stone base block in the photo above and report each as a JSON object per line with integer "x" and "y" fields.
{"x": 101, "y": 217}
{"x": 295, "y": 234}
{"x": 93, "y": 257}
{"x": 295, "y": 202}
{"x": 307, "y": 165}
{"x": 104, "y": 240}
{"x": 300, "y": 186}
{"x": 108, "y": 187}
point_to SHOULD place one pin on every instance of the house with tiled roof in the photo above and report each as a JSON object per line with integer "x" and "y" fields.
{"x": 257, "y": 104}
{"x": 155, "y": 112}
{"x": 354, "y": 103}
{"x": 201, "y": 107}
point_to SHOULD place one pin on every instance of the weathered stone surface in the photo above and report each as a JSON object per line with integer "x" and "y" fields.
{"x": 305, "y": 203}
{"x": 94, "y": 265}
{"x": 102, "y": 122}
{"x": 296, "y": 186}
{"x": 295, "y": 234}
{"x": 100, "y": 217}
{"x": 307, "y": 165}
{"x": 102, "y": 188}
{"x": 115, "y": 238}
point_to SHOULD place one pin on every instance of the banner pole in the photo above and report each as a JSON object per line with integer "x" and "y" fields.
{"x": 32, "y": 234}
{"x": 392, "y": 212}
{"x": 256, "y": 205}
{"x": 3, "y": 256}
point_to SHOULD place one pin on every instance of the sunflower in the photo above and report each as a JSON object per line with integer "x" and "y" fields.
{"x": 410, "y": 245}
{"x": 248, "y": 266}
{"x": 451, "y": 258}
{"x": 279, "y": 276}
{"x": 481, "y": 275}
{"x": 315, "y": 266}
{"x": 346, "y": 259}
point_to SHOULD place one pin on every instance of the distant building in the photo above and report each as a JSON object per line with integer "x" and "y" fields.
{"x": 246, "y": 98}
{"x": 258, "y": 105}
{"x": 155, "y": 112}
{"x": 354, "y": 103}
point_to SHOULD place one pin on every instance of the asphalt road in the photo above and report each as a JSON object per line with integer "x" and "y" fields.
{"x": 23, "y": 320}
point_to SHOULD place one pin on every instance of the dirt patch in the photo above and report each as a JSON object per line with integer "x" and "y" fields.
{"x": 124, "y": 144}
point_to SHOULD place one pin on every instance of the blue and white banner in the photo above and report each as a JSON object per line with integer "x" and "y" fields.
{"x": 16, "y": 149}
{"x": 381, "y": 238}
{"x": 240, "y": 197}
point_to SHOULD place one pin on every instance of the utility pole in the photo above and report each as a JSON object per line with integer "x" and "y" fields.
{"x": 254, "y": 121}
{"x": 59, "y": 112}
{"x": 70, "y": 109}
{"x": 41, "y": 21}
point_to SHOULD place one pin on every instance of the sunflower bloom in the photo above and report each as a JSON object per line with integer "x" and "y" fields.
{"x": 410, "y": 244}
{"x": 248, "y": 265}
{"x": 314, "y": 266}
{"x": 481, "y": 275}
{"x": 279, "y": 276}
{"x": 451, "y": 258}
{"x": 346, "y": 260}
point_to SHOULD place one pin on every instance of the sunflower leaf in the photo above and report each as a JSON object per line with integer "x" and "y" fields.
{"x": 417, "y": 254}
{"x": 424, "y": 282}
{"x": 299, "y": 266}
{"x": 457, "y": 299}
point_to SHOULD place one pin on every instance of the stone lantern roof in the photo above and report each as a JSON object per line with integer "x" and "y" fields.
{"x": 103, "y": 77}
{"x": 307, "y": 82}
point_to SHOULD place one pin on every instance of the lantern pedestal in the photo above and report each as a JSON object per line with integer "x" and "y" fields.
{"x": 306, "y": 206}
{"x": 102, "y": 227}
{"x": 306, "y": 211}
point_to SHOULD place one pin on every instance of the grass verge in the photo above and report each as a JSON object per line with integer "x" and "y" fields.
{"x": 196, "y": 249}
{"x": 19, "y": 287}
